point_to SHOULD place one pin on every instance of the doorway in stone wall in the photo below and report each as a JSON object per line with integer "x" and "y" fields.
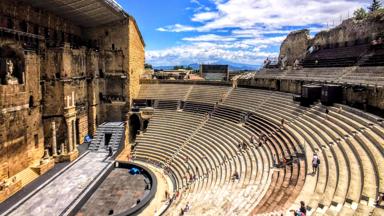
{"x": 78, "y": 138}
{"x": 134, "y": 127}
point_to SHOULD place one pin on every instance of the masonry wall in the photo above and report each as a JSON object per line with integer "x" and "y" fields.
{"x": 59, "y": 65}
{"x": 112, "y": 72}
{"x": 21, "y": 133}
{"x": 295, "y": 46}
{"x": 136, "y": 59}
{"x": 349, "y": 32}
{"x": 353, "y": 95}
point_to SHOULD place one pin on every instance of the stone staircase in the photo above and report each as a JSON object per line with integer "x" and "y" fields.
{"x": 27, "y": 176}
{"x": 116, "y": 129}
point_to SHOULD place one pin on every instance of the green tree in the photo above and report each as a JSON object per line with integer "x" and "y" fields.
{"x": 360, "y": 14}
{"x": 148, "y": 66}
{"x": 376, "y": 5}
{"x": 189, "y": 68}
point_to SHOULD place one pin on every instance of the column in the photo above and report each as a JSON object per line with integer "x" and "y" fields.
{"x": 67, "y": 103}
{"x": 54, "y": 144}
{"x": 74, "y": 134}
{"x": 73, "y": 99}
{"x": 69, "y": 136}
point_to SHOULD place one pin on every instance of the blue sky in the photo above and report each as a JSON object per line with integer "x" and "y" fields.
{"x": 239, "y": 31}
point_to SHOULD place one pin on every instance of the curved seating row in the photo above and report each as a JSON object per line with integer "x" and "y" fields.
{"x": 203, "y": 153}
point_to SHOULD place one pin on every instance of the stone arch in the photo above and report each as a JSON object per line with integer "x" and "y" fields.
{"x": 16, "y": 56}
{"x": 134, "y": 127}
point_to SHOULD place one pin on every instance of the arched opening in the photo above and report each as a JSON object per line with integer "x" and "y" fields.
{"x": 11, "y": 66}
{"x": 134, "y": 127}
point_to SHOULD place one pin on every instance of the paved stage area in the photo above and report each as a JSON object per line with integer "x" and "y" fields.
{"x": 54, "y": 198}
{"x": 118, "y": 192}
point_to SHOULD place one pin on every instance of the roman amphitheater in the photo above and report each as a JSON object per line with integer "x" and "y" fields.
{"x": 82, "y": 133}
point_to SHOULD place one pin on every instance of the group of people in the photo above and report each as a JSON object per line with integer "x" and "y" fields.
{"x": 242, "y": 146}
{"x": 244, "y": 117}
{"x": 302, "y": 211}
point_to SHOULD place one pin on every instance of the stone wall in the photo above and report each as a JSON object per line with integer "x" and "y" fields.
{"x": 62, "y": 67}
{"x": 370, "y": 98}
{"x": 349, "y": 32}
{"x": 352, "y": 30}
{"x": 295, "y": 46}
{"x": 136, "y": 59}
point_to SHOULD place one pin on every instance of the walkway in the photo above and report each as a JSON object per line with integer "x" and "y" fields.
{"x": 25, "y": 191}
{"x": 53, "y": 198}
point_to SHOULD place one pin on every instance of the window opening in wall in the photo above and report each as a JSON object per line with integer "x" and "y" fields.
{"x": 113, "y": 46}
{"x": 36, "y": 138}
{"x": 78, "y": 138}
{"x": 31, "y": 102}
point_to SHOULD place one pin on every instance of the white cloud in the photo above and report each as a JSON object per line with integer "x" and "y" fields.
{"x": 246, "y": 14}
{"x": 206, "y": 16}
{"x": 204, "y": 52}
{"x": 209, "y": 37}
{"x": 252, "y": 28}
{"x": 176, "y": 28}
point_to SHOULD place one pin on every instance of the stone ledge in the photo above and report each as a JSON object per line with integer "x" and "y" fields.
{"x": 67, "y": 157}
{"x": 45, "y": 167}
{"x": 10, "y": 190}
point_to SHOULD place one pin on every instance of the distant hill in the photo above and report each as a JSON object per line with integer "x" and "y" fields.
{"x": 232, "y": 66}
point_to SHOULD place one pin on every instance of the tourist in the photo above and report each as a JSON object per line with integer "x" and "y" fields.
{"x": 186, "y": 159}
{"x": 282, "y": 122}
{"x": 284, "y": 160}
{"x": 380, "y": 199}
{"x": 244, "y": 145}
{"x": 187, "y": 207}
{"x": 296, "y": 64}
{"x": 274, "y": 161}
{"x": 374, "y": 42}
{"x": 326, "y": 113}
{"x": 253, "y": 140}
{"x": 235, "y": 176}
{"x": 181, "y": 211}
{"x": 110, "y": 151}
{"x": 315, "y": 163}
{"x": 340, "y": 110}
{"x": 302, "y": 211}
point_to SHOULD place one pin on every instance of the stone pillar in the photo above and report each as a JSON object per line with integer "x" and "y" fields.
{"x": 74, "y": 134}
{"x": 54, "y": 144}
{"x": 62, "y": 149}
{"x": 67, "y": 101}
{"x": 73, "y": 99}
{"x": 69, "y": 136}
